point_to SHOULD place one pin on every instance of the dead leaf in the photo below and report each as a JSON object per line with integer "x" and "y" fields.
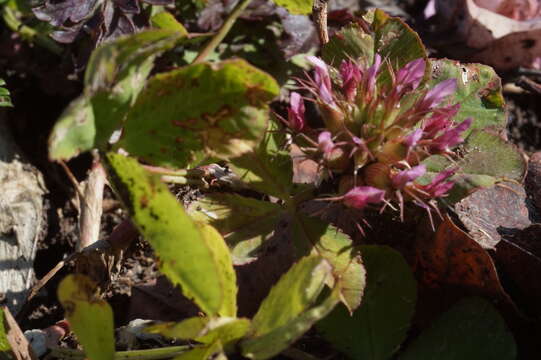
{"x": 449, "y": 265}
{"x": 497, "y": 35}
{"x": 492, "y": 212}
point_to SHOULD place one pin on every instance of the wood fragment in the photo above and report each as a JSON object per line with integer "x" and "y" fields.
{"x": 319, "y": 11}
{"x": 20, "y": 348}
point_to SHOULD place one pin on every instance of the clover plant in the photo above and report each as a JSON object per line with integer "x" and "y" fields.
{"x": 385, "y": 127}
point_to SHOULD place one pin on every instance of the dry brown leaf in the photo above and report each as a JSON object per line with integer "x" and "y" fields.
{"x": 498, "y": 34}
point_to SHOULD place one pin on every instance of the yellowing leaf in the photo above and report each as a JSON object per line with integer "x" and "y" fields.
{"x": 192, "y": 255}
{"x": 90, "y": 317}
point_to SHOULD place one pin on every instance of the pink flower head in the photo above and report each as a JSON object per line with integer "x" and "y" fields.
{"x": 322, "y": 79}
{"x": 325, "y": 143}
{"x": 351, "y": 76}
{"x": 371, "y": 73}
{"x": 360, "y": 196}
{"x": 440, "y": 120}
{"x": 412, "y": 139}
{"x": 409, "y": 77}
{"x": 405, "y": 177}
{"x": 451, "y": 137}
{"x": 440, "y": 185}
{"x": 435, "y": 95}
{"x": 295, "y": 112}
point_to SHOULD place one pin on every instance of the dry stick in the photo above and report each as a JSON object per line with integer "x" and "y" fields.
{"x": 91, "y": 207}
{"x": 221, "y": 34}
{"x": 121, "y": 237}
{"x": 319, "y": 11}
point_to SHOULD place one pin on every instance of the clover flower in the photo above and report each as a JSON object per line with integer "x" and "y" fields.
{"x": 373, "y": 135}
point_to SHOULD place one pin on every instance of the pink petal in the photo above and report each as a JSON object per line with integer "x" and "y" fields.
{"x": 295, "y": 113}
{"x": 322, "y": 79}
{"x": 405, "y": 177}
{"x": 360, "y": 196}
{"x": 351, "y": 76}
{"x": 439, "y": 92}
{"x": 372, "y": 72}
{"x": 325, "y": 143}
{"x": 451, "y": 137}
{"x": 409, "y": 77}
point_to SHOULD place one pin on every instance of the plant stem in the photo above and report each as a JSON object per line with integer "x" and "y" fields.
{"x": 319, "y": 11}
{"x": 149, "y": 354}
{"x": 27, "y": 33}
{"x": 222, "y": 33}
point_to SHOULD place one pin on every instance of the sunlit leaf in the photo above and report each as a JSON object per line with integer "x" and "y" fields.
{"x": 390, "y": 37}
{"x": 245, "y": 223}
{"x": 114, "y": 76}
{"x": 294, "y": 293}
{"x": 268, "y": 167}
{"x": 472, "y": 329}
{"x": 204, "y": 109}
{"x": 274, "y": 342}
{"x": 192, "y": 255}
{"x": 166, "y": 21}
{"x": 5, "y": 99}
{"x": 479, "y": 92}
{"x": 314, "y": 236}
{"x": 225, "y": 331}
{"x": 486, "y": 159}
{"x": 90, "y": 317}
{"x": 377, "y": 328}
{"x": 296, "y": 7}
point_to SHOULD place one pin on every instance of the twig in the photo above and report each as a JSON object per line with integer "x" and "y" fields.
{"x": 119, "y": 240}
{"x": 529, "y": 85}
{"x": 319, "y": 11}
{"x": 20, "y": 349}
{"x": 74, "y": 182}
{"x": 91, "y": 207}
{"x": 222, "y": 33}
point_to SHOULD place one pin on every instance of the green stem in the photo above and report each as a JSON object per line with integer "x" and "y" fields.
{"x": 222, "y": 33}
{"x": 27, "y": 33}
{"x": 149, "y": 354}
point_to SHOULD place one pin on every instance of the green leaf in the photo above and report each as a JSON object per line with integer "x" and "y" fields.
{"x": 274, "y": 342}
{"x": 351, "y": 42}
{"x": 479, "y": 92}
{"x": 296, "y": 7}
{"x": 90, "y": 318}
{"x": 268, "y": 167}
{"x": 245, "y": 223}
{"x": 225, "y": 331}
{"x": 74, "y": 132}
{"x": 378, "y": 327}
{"x": 486, "y": 159}
{"x": 166, "y": 21}
{"x": 391, "y": 38}
{"x": 5, "y": 100}
{"x": 202, "y": 353}
{"x": 5, "y": 347}
{"x": 115, "y": 75}
{"x": 314, "y": 236}
{"x": 294, "y": 293}
{"x": 204, "y": 109}
{"x": 472, "y": 329}
{"x": 192, "y": 255}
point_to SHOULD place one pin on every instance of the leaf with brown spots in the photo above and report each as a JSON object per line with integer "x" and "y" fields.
{"x": 199, "y": 110}
{"x": 192, "y": 255}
